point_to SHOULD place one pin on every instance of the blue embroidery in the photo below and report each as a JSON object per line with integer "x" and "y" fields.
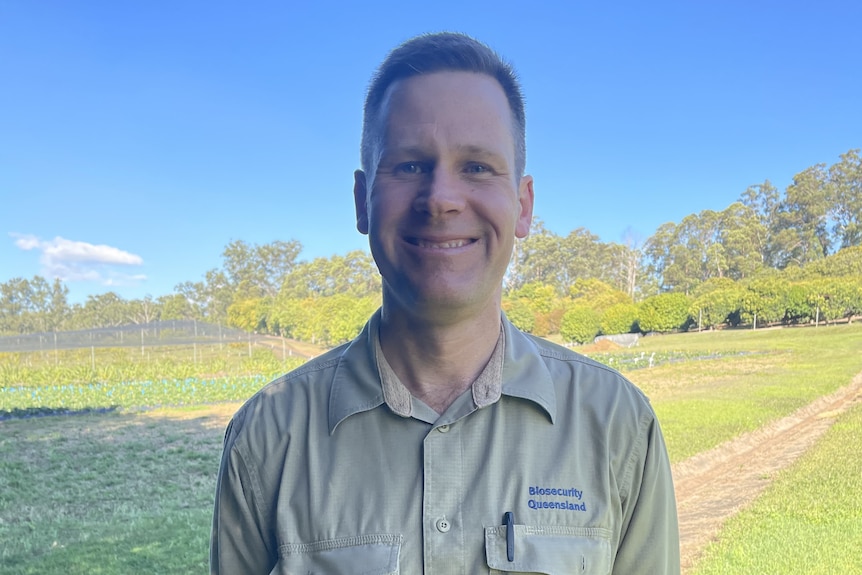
{"x": 564, "y": 498}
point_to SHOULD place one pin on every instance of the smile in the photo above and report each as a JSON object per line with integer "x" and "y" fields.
{"x": 450, "y": 244}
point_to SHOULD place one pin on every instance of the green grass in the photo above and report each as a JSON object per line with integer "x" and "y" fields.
{"x": 702, "y": 403}
{"x": 808, "y": 521}
{"x": 131, "y": 491}
{"x": 33, "y": 384}
{"x": 113, "y": 493}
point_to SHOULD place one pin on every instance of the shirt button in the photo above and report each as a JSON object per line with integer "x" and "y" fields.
{"x": 443, "y": 429}
{"x": 443, "y": 525}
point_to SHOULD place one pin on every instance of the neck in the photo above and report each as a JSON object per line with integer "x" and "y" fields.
{"x": 438, "y": 361}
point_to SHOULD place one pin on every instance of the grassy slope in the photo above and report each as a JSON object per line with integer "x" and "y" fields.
{"x": 703, "y": 403}
{"x": 809, "y": 520}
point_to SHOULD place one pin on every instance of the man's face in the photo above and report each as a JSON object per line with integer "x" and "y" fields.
{"x": 444, "y": 205}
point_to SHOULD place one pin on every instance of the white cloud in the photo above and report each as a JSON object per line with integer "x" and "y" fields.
{"x": 71, "y": 260}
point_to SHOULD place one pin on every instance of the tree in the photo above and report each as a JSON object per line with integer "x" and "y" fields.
{"x": 542, "y": 302}
{"x": 836, "y": 298}
{"x": 627, "y": 262}
{"x": 345, "y": 316}
{"x": 619, "y": 318}
{"x": 210, "y": 299}
{"x": 144, "y": 310}
{"x": 763, "y": 300}
{"x": 549, "y": 259}
{"x": 664, "y": 312}
{"x": 535, "y": 258}
{"x": 763, "y": 200}
{"x": 801, "y": 235}
{"x": 846, "y": 262}
{"x": 259, "y": 269}
{"x": 15, "y": 296}
{"x": 596, "y": 294}
{"x": 716, "y": 302}
{"x": 519, "y": 312}
{"x": 176, "y": 306}
{"x": 34, "y": 305}
{"x": 687, "y": 254}
{"x": 101, "y": 310}
{"x": 354, "y": 274}
{"x": 58, "y": 310}
{"x": 539, "y": 297}
{"x": 799, "y": 303}
{"x": 248, "y": 314}
{"x": 845, "y": 206}
{"x": 741, "y": 235}
{"x": 580, "y": 324}
{"x": 292, "y": 316}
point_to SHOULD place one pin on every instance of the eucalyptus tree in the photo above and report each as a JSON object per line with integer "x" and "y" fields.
{"x": 33, "y": 305}
{"x": 845, "y": 190}
{"x": 176, "y": 306}
{"x": 259, "y": 269}
{"x": 686, "y": 254}
{"x": 101, "y": 310}
{"x": 763, "y": 200}
{"x": 801, "y": 233}
{"x": 354, "y": 273}
{"x": 559, "y": 261}
{"x": 742, "y": 237}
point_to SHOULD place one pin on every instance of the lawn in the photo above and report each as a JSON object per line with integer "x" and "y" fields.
{"x": 130, "y": 490}
{"x": 747, "y": 379}
{"x": 809, "y": 519}
{"x": 114, "y": 493}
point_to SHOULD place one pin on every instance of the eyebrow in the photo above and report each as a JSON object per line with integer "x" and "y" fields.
{"x": 420, "y": 151}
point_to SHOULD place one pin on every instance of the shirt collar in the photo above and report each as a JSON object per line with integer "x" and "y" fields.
{"x": 525, "y": 373}
{"x": 364, "y": 380}
{"x": 485, "y": 390}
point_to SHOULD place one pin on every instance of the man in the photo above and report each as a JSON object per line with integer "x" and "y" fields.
{"x": 442, "y": 440}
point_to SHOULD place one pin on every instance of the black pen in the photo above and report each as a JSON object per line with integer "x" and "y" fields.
{"x": 509, "y": 522}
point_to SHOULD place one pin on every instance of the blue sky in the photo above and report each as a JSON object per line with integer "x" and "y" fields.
{"x": 138, "y": 139}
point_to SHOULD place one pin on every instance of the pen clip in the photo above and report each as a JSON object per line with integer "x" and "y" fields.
{"x": 509, "y": 522}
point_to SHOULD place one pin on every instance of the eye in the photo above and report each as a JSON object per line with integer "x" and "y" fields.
{"x": 476, "y": 169}
{"x": 411, "y": 168}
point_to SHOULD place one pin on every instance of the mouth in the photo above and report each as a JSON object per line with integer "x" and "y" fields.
{"x": 440, "y": 245}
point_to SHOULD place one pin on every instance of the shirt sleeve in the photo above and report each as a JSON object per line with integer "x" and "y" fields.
{"x": 649, "y": 539}
{"x": 241, "y": 541}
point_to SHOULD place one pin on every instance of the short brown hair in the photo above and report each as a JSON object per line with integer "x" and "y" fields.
{"x": 443, "y": 52}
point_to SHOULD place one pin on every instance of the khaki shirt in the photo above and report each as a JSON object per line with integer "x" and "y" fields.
{"x": 335, "y": 469}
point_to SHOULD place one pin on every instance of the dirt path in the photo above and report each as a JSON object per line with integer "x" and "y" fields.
{"x": 714, "y": 485}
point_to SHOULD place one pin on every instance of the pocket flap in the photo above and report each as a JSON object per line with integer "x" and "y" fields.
{"x": 360, "y": 555}
{"x": 550, "y": 550}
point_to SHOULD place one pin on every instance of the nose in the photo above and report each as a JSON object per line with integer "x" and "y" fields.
{"x": 442, "y": 193}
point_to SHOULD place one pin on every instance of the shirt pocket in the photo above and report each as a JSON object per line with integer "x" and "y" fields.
{"x": 359, "y": 555}
{"x": 557, "y": 550}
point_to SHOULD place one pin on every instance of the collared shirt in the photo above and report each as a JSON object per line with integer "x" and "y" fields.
{"x": 335, "y": 468}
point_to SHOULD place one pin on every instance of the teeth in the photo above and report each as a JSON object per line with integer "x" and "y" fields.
{"x": 442, "y": 245}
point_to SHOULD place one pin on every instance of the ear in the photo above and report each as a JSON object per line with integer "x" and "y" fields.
{"x": 525, "y": 201}
{"x": 360, "y": 199}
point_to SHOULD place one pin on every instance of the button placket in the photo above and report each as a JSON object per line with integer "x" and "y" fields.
{"x": 443, "y": 493}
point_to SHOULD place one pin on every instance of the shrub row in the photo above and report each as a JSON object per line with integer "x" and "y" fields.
{"x": 715, "y": 304}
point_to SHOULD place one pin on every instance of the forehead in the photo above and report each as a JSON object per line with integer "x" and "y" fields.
{"x": 449, "y": 105}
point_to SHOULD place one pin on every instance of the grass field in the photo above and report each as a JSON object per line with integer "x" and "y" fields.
{"x": 116, "y": 493}
{"x": 702, "y": 403}
{"x": 809, "y": 520}
{"x": 131, "y": 491}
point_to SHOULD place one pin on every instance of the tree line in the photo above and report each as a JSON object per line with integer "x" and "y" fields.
{"x": 769, "y": 257}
